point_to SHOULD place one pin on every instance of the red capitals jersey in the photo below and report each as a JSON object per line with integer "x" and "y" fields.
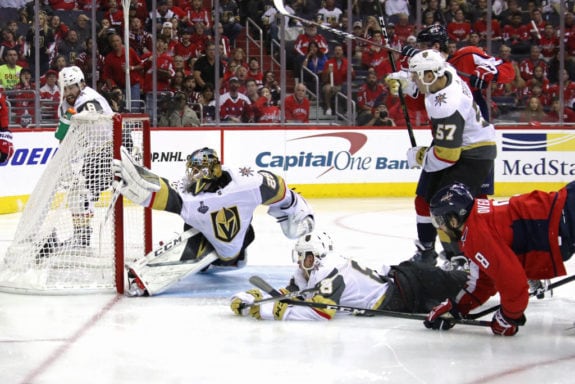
{"x": 366, "y": 96}
{"x": 475, "y": 61}
{"x": 296, "y": 111}
{"x": 378, "y": 59}
{"x": 508, "y": 243}
{"x": 301, "y": 44}
{"x": 339, "y": 71}
{"x": 165, "y": 62}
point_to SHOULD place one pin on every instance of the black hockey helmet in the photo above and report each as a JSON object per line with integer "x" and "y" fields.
{"x": 452, "y": 201}
{"x": 435, "y": 33}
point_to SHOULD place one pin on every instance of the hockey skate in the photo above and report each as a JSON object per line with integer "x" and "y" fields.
{"x": 135, "y": 285}
{"x": 538, "y": 288}
{"x": 424, "y": 254}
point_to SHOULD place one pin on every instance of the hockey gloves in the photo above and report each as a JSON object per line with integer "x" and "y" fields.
{"x": 415, "y": 157}
{"x": 6, "y": 146}
{"x": 64, "y": 124}
{"x": 135, "y": 182}
{"x": 242, "y": 303}
{"x": 505, "y": 326}
{"x": 409, "y": 51}
{"x": 441, "y": 316}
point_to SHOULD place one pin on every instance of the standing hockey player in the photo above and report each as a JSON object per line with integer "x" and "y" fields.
{"x": 218, "y": 203}
{"x": 478, "y": 70}
{"x": 6, "y": 145}
{"x": 463, "y": 147}
{"x": 408, "y": 287}
{"x": 77, "y": 97}
{"x": 528, "y": 237}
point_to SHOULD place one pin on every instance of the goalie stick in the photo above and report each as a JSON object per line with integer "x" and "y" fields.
{"x": 537, "y": 292}
{"x": 264, "y": 286}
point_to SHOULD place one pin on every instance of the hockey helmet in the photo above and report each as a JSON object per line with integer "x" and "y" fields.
{"x": 318, "y": 244}
{"x": 435, "y": 33}
{"x": 202, "y": 168}
{"x": 70, "y": 76}
{"x": 452, "y": 201}
{"x": 427, "y": 60}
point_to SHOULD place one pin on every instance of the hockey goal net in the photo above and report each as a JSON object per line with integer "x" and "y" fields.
{"x": 73, "y": 237}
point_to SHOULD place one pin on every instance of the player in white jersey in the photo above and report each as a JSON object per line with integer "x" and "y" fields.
{"x": 77, "y": 97}
{"x": 217, "y": 201}
{"x": 408, "y": 287}
{"x": 463, "y": 147}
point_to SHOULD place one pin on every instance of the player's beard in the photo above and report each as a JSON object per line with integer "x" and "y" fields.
{"x": 71, "y": 99}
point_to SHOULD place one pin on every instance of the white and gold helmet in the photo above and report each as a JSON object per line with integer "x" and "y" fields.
{"x": 317, "y": 244}
{"x": 427, "y": 60}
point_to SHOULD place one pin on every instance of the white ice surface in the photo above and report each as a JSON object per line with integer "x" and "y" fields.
{"x": 189, "y": 334}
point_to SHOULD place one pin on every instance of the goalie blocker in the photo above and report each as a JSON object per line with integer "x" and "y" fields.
{"x": 216, "y": 201}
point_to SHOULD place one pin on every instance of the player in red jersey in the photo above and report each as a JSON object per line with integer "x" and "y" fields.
{"x": 6, "y": 146}
{"x": 530, "y": 236}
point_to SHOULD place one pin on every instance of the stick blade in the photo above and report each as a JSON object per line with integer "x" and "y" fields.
{"x": 264, "y": 286}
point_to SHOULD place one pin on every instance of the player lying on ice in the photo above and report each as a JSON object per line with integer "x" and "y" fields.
{"x": 217, "y": 204}
{"x": 408, "y": 287}
{"x": 528, "y": 237}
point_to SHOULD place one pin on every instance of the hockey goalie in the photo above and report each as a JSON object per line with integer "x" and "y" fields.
{"x": 217, "y": 204}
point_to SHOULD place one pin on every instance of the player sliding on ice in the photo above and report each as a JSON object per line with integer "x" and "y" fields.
{"x": 528, "y": 237}
{"x": 331, "y": 279}
{"x": 217, "y": 204}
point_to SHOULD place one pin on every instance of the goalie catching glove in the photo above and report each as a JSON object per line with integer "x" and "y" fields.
{"x": 134, "y": 181}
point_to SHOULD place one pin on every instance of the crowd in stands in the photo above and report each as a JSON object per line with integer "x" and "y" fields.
{"x": 525, "y": 32}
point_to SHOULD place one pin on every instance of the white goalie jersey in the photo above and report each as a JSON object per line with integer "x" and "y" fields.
{"x": 223, "y": 217}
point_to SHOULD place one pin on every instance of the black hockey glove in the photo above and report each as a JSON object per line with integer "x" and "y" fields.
{"x": 409, "y": 51}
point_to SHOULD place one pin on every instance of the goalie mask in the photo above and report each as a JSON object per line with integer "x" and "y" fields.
{"x": 203, "y": 168}
{"x": 311, "y": 249}
{"x": 450, "y": 207}
{"x": 426, "y": 61}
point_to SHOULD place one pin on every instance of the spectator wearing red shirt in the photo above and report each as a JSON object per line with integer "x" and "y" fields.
{"x": 480, "y": 26}
{"x": 549, "y": 43}
{"x": 367, "y": 94}
{"x": 199, "y": 38}
{"x": 568, "y": 86}
{"x": 50, "y": 92}
{"x": 254, "y": 71}
{"x": 139, "y": 9}
{"x": 517, "y": 35}
{"x": 196, "y": 13}
{"x": 165, "y": 68}
{"x": 458, "y": 30}
{"x": 301, "y": 44}
{"x": 376, "y": 57}
{"x": 568, "y": 113}
{"x": 265, "y": 111}
{"x": 63, "y": 5}
{"x": 403, "y": 28}
{"x": 527, "y": 65}
{"x": 115, "y": 14}
{"x": 296, "y": 105}
{"x": 185, "y": 47}
{"x": 115, "y": 65}
{"x": 234, "y": 106}
{"x": 333, "y": 76}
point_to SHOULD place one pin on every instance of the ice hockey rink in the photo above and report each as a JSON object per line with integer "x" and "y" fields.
{"x": 189, "y": 334}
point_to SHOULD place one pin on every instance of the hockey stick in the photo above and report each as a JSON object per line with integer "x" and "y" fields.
{"x": 264, "y": 286}
{"x": 106, "y": 217}
{"x": 290, "y": 295}
{"x": 537, "y": 292}
{"x": 278, "y": 4}
{"x": 381, "y": 20}
{"x": 126, "y": 10}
